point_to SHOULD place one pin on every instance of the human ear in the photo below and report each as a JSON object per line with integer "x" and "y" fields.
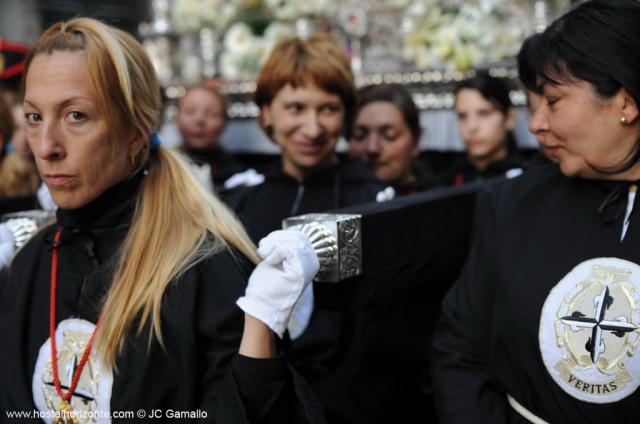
{"x": 629, "y": 107}
{"x": 137, "y": 143}
{"x": 265, "y": 120}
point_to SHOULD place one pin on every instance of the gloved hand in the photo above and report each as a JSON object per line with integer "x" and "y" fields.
{"x": 248, "y": 178}
{"x": 7, "y": 245}
{"x": 288, "y": 266}
{"x": 301, "y": 313}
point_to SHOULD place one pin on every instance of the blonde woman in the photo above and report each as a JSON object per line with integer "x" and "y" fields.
{"x": 134, "y": 299}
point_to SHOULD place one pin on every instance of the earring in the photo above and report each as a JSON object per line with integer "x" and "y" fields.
{"x": 623, "y": 120}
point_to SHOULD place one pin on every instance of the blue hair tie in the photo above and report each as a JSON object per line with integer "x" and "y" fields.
{"x": 155, "y": 141}
{"x": 9, "y": 147}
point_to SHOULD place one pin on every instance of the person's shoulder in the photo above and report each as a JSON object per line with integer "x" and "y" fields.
{"x": 241, "y": 187}
{"x": 224, "y": 271}
{"x": 27, "y": 256}
{"x": 355, "y": 171}
{"x": 530, "y": 189}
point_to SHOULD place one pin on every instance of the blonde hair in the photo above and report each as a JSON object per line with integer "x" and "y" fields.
{"x": 18, "y": 175}
{"x": 176, "y": 223}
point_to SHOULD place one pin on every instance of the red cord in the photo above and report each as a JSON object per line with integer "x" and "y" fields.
{"x": 52, "y": 330}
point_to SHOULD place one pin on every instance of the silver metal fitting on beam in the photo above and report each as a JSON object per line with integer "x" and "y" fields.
{"x": 337, "y": 240}
{"x": 25, "y": 224}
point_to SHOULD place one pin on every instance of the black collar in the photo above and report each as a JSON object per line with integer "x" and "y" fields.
{"x": 112, "y": 208}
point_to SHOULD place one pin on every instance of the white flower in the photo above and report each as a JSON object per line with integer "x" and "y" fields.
{"x": 229, "y": 67}
{"x": 277, "y": 31}
{"x": 396, "y": 4}
{"x": 462, "y": 33}
{"x": 191, "y": 15}
{"x": 238, "y": 38}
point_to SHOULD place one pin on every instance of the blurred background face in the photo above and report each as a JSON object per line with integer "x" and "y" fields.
{"x": 19, "y": 137}
{"x": 482, "y": 125}
{"x": 201, "y": 119}
{"x": 382, "y": 139}
{"x": 68, "y": 135}
{"x": 306, "y": 122}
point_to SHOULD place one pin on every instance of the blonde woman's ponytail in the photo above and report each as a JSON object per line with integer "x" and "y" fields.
{"x": 173, "y": 218}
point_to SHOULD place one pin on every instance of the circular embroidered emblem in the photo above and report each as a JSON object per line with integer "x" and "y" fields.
{"x": 589, "y": 330}
{"x": 92, "y": 397}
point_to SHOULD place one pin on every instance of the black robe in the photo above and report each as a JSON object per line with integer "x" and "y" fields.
{"x": 223, "y": 165}
{"x": 199, "y": 368}
{"x": 365, "y": 365}
{"x": 262, "y": 208}
{"x": 18, "y": 203}
{"x": 463, "y": 171}
{"x": 424, "y": 180}
{"x": 530, "y": 234}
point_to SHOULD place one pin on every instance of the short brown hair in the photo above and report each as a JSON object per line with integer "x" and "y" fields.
{"x": 317, "y": 60}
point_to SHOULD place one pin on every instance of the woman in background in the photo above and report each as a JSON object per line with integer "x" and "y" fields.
{"x": 486, "y": 118}
{"x": 306, "y": 96}
{"x": 201, "y": 119}
{"x": 386, "y": 136}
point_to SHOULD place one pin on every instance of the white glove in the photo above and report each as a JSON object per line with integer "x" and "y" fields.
{"x": 7, "y": 245}
{"x": 301, "y": 314}
{"x": 288, "y": 266}
{"x": 248, "y": 178}
{"x": 45, "y": 199}
{"x": 385, "y": 195}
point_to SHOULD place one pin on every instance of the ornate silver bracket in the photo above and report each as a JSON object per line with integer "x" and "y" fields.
{"x": 25, "y": 224}
{"x": 337, "y": 240}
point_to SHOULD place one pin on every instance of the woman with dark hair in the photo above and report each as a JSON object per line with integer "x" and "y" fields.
{"x": 486, "y": 118}
{"x": 137, "y": 298}
{"x": 386, "y": 136}
{"x": 543, "y": 324}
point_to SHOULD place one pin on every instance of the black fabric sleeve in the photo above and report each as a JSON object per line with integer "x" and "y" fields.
{"x": 261, "y": 383}
{"x": 236, "y": 388}
{"x": 461, "y": 345}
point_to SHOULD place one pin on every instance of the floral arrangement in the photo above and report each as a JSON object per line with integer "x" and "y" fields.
{"x": 438, "y": 34}
{"x": 192, "y": 15}
{"x": 244, "y": 53}
{"x": 288, "y": 10}
{"x": 462, "y": 34}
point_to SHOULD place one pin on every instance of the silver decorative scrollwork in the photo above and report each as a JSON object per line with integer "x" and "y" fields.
{"x": 25, "y": 224}
{"x": 336, "y": 238}
{"x": 323, "y": 242}
{"x": 350, "y": 249}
